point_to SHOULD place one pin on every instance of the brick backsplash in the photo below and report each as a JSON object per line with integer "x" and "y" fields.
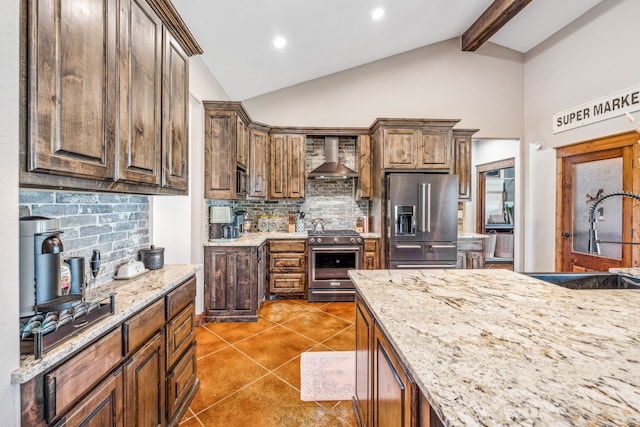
{"x": 332, "y": 200}
{"x": 115, "y": 224}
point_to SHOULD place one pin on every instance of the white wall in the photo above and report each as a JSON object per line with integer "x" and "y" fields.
{"x": 178, "y": 221}
{"x": 9, "y": 270}
{"x": 594, "y": 56}
{"x": 484, "y": 89}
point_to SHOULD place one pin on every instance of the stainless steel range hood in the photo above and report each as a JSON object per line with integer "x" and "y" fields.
{"x": 332, "y": 168}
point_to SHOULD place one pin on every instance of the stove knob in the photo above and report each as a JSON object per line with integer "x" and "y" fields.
{"x": 359, "y": 239}
{"x": 335, "y": 240}
{"x": 319, "y": 239}
{"x": 312, "y": 240}
{"x": 353, "y": 240}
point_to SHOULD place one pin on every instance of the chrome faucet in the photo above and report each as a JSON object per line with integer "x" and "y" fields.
{"x": 594, "y": 242}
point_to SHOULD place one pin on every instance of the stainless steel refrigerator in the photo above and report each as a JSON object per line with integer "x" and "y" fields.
{"x": 422, "y": 220}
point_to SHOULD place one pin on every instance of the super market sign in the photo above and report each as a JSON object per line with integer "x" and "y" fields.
{"x": 613, "y": 105}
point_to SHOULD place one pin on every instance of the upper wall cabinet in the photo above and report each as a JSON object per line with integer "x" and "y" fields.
{"x": 95, "y": 76}
{"x": 258, "y": 163}
{"x": 226, "y": 138}
{"x": 175, "y": 114}
{"x": 363, "y": 152}
{"x": 287, "y": 156}
{"x": 140, "y": 62}
{"x": 410, "y": 144}
{"x": 71, "y": 92}
{"x": 462, "y": 161}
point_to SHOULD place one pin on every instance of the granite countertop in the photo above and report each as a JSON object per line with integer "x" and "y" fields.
{"x": 494, "y": 347}
{"x": 465, "y": 235}
{"x": 131, "y": 296}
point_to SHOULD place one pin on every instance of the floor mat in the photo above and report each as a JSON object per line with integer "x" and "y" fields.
{"x": 327, "y": 375}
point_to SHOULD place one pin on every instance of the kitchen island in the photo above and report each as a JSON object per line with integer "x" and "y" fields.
{"x": 494, "y": 347}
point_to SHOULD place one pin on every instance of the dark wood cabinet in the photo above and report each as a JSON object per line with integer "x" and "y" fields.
{"x": 175, "y": 115}
{"x": 103, "y": 407}
{"x": 363, "y": 402}
{"x": 370, "y": 255}
{"x": 226, "y": 137}
{"x": 400, "y": 148}
{"x": 287, "y": 155}
{"x": 126, "y": 376}
{"x": 96, "y": 74}
{"x": 363, "y": 157}
{"x": 434, "y": 149}
{"x": 462, "y": 161}
{"x": 144, "y": 391}
{"x": 140, "y": 91}
{"x": 287, "y": 267}
{"x": 470, "y": 253}
{"x": 72, "y": 93}
{"x": 258, "y": 173}
{"x": 231, "y": 283}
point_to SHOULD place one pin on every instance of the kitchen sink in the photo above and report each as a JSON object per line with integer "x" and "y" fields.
{"x": 590, "y": 280}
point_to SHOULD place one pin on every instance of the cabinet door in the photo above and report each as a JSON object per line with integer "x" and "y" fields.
{"x": 258, "y": 165}
{"x": 242, "y": 143}
{"x": 102, "y": 407}
{"x": 392, "y": 388}
{"x": 435, "y": 149}
{"x": 175, "y": 116}
{"x": 297, "y": 167}
{"x": 242, "y": 283}
{"x": 365, "y": 191}
{"x": 140, "y": 93}
{"x": 400, "y": 148}
{"x": 278, "y": 166}
{"x": 216, "y": 281}
{"x": 462, "y": 165}
{"x": 219, "y": 164}
{"x": 181, "y": 383}
{"x": 364, "y": 352}
{"x": 181, "y": 331}
{"x": 72, "y": 87}
{"x": 262, "y": 272}
{"x": 144, "y": 391}
{"x": 370, "y": 254}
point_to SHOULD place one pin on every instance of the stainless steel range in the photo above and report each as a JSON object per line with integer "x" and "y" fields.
{"x": 331, "y": 254}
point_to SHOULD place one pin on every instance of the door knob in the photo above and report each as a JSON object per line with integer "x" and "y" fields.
{"x": 566, "y": 235}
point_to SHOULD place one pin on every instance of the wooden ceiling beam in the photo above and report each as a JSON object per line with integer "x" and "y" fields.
{"x": 491, "y": 20}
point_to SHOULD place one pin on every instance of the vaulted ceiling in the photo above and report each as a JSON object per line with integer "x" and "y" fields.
{"x": 329, "y": 36}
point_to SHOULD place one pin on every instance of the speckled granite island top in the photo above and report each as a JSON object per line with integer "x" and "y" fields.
{"x": 493, "y": 347}
{"x": 131, "y": 296}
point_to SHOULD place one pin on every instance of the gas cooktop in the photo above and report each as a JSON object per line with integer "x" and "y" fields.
{"x": 333, "y": 233}
{"x": 334, "y": 237}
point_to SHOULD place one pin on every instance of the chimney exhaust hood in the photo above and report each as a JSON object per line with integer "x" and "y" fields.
{"x": 332, "y": 168}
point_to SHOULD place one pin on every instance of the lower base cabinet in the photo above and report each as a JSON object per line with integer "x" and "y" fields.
{"x": 234, "y": 282}
{"x": 385, "y": 393}
{"x": 140, "y": 373}
{"x": 470, "y": 253}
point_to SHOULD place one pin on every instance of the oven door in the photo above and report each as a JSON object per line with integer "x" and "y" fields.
{"x": 328, "y": 265}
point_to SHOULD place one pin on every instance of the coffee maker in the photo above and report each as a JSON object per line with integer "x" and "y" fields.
{"x": 40, "y": 261}
{"x": 219, "y": 218}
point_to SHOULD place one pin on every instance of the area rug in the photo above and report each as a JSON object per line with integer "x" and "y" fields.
{"x": 327, "y": 375}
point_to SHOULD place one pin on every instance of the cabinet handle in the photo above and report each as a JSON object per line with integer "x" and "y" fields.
{"x": 125, "y": 339}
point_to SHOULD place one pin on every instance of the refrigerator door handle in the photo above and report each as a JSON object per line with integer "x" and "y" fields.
{"x": 428, "y": 208}
{"x": 423, "y": 209}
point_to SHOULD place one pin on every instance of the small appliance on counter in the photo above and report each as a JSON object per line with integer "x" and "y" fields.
{"x": 49, "y": 311}
{"x": 219, "y": 217}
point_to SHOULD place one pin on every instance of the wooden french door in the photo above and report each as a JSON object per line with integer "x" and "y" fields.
{"x": 587, "y": 171}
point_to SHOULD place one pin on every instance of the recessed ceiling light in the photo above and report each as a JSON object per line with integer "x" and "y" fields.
{"x": 279, "y": 42}
{"x": 377, "y": 14}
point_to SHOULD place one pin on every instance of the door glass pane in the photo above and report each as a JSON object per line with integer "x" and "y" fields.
{"x": 592, "y": 180}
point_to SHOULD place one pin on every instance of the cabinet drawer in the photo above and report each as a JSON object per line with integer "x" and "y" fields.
{"x": 180, "y": 334}
{"x": 469, "y": 245}
{"x": 288, "y": 246}
{"x": 180, "y": 381}
{"x": 370, "y": 245}
{"x": 287, "y": 283}
{"x": 180, "y": 297}
{"x": 287, "y": 263}
{"x": 65, "y": 384}
{"x": 139, "y": 328}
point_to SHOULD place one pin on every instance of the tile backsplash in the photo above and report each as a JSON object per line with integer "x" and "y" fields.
{"x": 332, "y": 200}
{"x": 115, "y": 224}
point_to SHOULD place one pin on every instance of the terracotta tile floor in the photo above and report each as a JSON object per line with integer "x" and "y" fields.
{"x": 250, "y": 371}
